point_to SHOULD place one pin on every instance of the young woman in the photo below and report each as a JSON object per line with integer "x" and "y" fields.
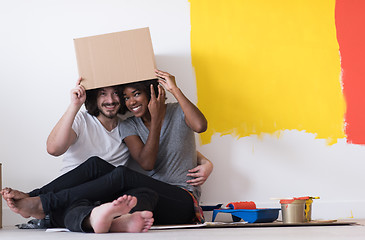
{"x": 161, "y": 140}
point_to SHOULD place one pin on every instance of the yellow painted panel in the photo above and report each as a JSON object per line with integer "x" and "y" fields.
{"x": 264, "y": 66}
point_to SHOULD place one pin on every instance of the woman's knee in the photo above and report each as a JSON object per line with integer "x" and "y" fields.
{"x": 76, "y": 214}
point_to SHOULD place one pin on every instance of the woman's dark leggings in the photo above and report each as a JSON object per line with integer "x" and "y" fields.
{"x": 96, "y": 180}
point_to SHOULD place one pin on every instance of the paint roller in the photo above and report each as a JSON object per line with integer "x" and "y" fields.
{"x": 241, "y": 205}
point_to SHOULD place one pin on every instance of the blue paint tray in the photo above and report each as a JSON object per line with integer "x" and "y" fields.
{"x": 211, "y": 207}
{"x": 260, "y": 215}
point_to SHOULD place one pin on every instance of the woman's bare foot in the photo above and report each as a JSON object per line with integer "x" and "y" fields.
{"x": 135, "y": 222}
{"x": 27, "y": 207}
{"x": 102, "y": 216}
{"x": 9, "y": 193}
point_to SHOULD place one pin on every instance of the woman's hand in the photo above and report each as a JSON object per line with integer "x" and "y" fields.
{"x": 166, "y": 79}
{"x": 156, "y": 106}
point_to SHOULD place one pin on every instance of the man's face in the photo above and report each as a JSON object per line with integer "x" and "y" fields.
{"x": 108, "y": 102}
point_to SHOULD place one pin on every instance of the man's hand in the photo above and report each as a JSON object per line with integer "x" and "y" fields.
{"x": 200, "y": 173}
{"x": 78, "y": 94}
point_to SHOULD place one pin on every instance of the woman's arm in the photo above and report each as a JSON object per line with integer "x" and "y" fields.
{"x": 200, "y": 172}
{"x": 194, "y": 118}
{"x": 146, "y": 154}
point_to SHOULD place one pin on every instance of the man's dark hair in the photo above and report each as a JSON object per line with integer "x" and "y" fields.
{"x": 91, "y": 101}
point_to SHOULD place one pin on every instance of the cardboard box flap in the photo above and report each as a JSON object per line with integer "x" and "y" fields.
{"x": 115, "y": 58}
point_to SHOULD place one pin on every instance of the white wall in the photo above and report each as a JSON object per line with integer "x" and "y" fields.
{"x": 38, "y": 69}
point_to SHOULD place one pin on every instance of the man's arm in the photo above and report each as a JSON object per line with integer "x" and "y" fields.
{"x": 200, "y": 172}
{"x": 62, "y": 135}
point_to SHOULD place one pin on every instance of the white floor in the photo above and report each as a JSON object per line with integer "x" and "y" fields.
{"x": 348, "y": 232}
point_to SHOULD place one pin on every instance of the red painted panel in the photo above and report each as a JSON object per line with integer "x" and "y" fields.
{"x": 350, "y": 25}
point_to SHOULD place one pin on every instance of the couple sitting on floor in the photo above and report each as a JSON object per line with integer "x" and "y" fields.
{"x": 101, "y": 194}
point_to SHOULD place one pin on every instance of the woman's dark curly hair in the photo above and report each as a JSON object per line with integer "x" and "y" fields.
{"x": 143, "y": 86}
{"x": 91, "y": 101}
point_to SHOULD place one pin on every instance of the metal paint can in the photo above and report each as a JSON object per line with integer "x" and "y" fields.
{"x": 293, "y": 210}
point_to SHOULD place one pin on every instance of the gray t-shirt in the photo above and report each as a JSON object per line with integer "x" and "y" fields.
{"x": 177, "y": 150}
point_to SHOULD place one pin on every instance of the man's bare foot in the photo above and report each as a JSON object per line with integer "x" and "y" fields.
{"x": 135, "y": 222}
{"x": 9, "y": 193}
{"x": 102, "y": 216}
{"x": 27, "y": 207}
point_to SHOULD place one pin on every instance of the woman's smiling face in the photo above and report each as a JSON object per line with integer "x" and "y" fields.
{"x": 136, "y": 101}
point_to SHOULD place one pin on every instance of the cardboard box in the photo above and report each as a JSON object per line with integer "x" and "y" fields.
{"x": 115, "y": 58}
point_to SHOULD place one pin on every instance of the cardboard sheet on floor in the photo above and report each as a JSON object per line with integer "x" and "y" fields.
{"x": 50, "y": 230}
{"x": 236, "y": 224}
{"x": 206, "y": 224}
{"x": 245, "y": 224}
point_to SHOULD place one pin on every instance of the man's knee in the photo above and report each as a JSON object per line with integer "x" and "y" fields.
{"x": 94, "y": 160}
{"x": 122, "y": 170}
{"x": 97, "y": 162}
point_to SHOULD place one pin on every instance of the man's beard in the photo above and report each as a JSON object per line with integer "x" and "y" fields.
{"x": 107, "y": 114}
{"x": 111, "y": 115}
